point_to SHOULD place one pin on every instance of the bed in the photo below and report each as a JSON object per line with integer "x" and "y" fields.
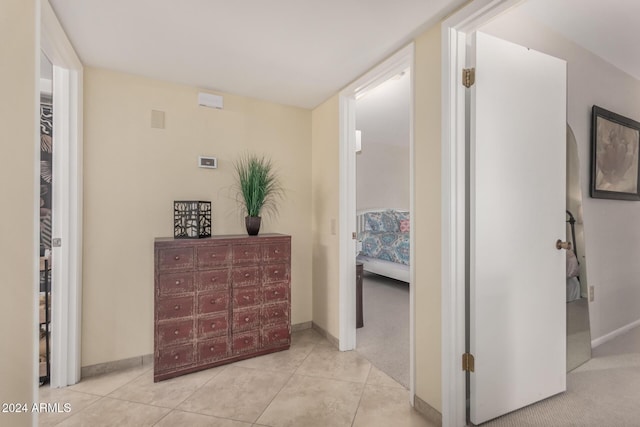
{"x": 383, "y": 242}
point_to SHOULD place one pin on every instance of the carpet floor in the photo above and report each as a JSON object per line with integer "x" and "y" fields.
{"x": 384, "y": 339}
{"x": 605, "y": 391}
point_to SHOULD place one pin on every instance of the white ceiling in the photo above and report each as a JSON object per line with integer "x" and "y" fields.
{"x": 293, "y": 52}
{"x": 609, "y": 29}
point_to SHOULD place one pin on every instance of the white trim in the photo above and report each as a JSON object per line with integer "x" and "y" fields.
{"x": 454, "y": 31}
{"x": 67, "y": 200}
{"x": 398, "y": 62}
{"x": 611, "y": 335}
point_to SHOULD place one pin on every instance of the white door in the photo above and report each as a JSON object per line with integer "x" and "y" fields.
{"x": 516, "y": 212}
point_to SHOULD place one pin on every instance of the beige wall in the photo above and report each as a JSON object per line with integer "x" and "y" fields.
{"x": 428, "y": 196}
{"x": 325, "y": 204}
{"x": 382, "y": 176}
{"x": 133, "y": 173}
{"x": 19, "y": 124}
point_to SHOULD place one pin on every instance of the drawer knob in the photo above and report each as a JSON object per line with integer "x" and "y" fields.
{"x": 275, "y": 292}
{"x": 177, "y": 257}
{"x": 245, "y": 297}
{"x": 214, "y": 301}
{"x": 176, "y": 307}
{"x": 213, "y": 279}
{"x": 176, "y": 332}
{"x": 277, "y": 251}
{"x": 276, "y": 272}
{"x": 275, "y": 335}
{"x": 177, "y": 282}
{"x": 246, "y": 274}
{"x": 176, "y": 357}
{"x": 213, "y": 326}
{"x": 246, "y": 319}
{"x": 212, "y": 349}
{"x": 276, "y": 314}
{"x": 246, "y": 252}
{"x": 213, "y": 255}
{"x": 246, "y": 341}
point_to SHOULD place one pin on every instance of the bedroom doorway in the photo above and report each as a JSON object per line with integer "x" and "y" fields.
{"x": 66, "y": 209}
{"x": 383, "y": 225}
{"x": 393, "y": 73}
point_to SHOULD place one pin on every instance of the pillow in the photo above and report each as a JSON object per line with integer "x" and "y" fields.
{"x": 381, "y": 221}
{"x": 402, "y": 215}
{"x": 405, "y": 226}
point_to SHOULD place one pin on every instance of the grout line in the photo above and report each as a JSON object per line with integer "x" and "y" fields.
{"x": 224, "y": 367}
{"x": 274, "y": 397}
{"x": 364, "y": 386}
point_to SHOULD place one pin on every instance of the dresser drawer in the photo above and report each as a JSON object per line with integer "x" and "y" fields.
{"x": 212, "y": 302}
{"x": 213, "y": 349}
{"x": 274, "y": 293}
{"x": 173, "y": 308}
{"x": 246, "y": 297}
{"x": 175, "y": 333}
{"x": 175, "y": 283}
{"x": 246, "y": 319}
{"x": 246, "y": 254}
{"x": 276, "y": 251}
{"x": 175, "y": 259}
{"x": 276, "y": 273}
{"x": 213, "y": 326}
{"x": 274, "y": 336}
{"x": 246, "y": 276}
{"x": 213, "y": 256}
{"x": 275, "y": 313}
{"x": 245, "y": 342}
{"x": 169, "y": 358}
{"x": 209, "y": 280}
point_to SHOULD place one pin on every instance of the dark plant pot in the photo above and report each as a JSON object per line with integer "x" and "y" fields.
{"x": 253, "y": 224}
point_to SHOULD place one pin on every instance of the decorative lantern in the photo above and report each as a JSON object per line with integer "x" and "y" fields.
{"x": 191, "y": 219}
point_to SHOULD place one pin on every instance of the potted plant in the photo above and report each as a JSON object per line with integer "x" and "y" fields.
{"x": 259, "y": 189}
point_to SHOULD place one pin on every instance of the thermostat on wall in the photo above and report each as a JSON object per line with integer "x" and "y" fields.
{"x": 207, "y": 162}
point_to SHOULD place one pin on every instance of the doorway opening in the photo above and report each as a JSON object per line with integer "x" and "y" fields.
{"x": 383, "y": 225}
{"x": 394, "y": 67}
{"x": 46, "y": 209}
{"x": 65, "y": 252}
{"x": 456, "y": 33}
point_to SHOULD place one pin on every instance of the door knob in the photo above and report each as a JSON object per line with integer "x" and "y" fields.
{"x": 563, "y": 245}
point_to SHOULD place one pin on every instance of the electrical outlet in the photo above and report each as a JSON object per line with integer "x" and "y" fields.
{"x": 592, "y": 292}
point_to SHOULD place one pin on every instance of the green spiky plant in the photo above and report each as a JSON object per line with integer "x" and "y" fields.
{"x": 259, "y": 187}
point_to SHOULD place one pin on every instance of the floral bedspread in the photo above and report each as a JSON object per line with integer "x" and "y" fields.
{"x": 389, "y": 246}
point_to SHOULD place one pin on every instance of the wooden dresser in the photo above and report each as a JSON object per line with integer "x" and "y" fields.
{"x": 219, "y": 300}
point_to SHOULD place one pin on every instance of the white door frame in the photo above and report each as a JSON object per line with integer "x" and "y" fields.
{"x": 395, "y": 64}
{"x": 66, "y": 300}
{"x": 454, "y": 31}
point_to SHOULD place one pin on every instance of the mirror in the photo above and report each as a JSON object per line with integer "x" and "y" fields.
{"x": 578, "y": 328}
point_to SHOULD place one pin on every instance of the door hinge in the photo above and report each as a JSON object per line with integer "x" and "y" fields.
{"x": 468, "y": 76}
{"x": 468, "y": 362}
{"x": 354, "y": 236}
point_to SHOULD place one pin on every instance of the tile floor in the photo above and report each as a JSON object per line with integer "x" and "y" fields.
{"x": 311, "y": 384}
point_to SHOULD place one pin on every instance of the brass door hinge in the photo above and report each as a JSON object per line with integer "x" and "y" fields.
{"x": 468, "y": 77}
{"x": 468, "y": 362}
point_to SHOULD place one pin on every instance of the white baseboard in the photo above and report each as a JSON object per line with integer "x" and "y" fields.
{"x": 611, "y": 335}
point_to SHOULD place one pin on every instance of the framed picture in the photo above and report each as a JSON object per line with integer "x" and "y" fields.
{"x": 615, "y": 146}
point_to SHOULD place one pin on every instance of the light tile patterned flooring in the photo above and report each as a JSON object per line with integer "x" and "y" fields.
{"x": 311, "y": 384}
